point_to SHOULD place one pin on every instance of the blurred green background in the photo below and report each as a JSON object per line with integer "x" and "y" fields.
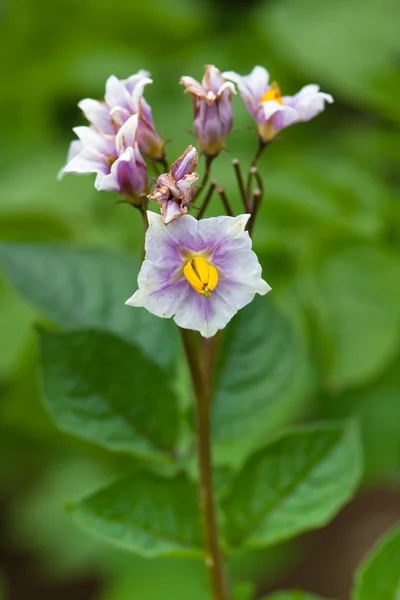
{"x": 328, "y": 236}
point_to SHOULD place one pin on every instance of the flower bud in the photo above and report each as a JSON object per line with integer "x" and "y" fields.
{"x": 174, "y": 190}
{"x": 212, "y": 106}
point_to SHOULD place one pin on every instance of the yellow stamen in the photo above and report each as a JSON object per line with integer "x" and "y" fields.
{"x": 202, "y": 276}
{"x": 274, "y": 93}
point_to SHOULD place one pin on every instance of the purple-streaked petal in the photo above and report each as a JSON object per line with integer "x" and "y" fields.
{"x": 75, "y": 147}
{"x": 87, "y": 161}
{"x": 225, "y": 113}
{"x": 131, "y": 82}
{"x": 98, "y": 114}
{"x": 252, "y": 88}
{"x": 137, "y": 92}
{"x": 172, "y": 210}
{"x": 120, "y": 178}
{"x": 192, "y": 86}
{"x": 116, "y": 93}
{"x": 272, "y": 106}
{"x": 186, "y": 183}
{"x": 96, "y": 141}
{"x": 284, "y": 117}
{"x": 164, "y": 240}
{"x": 185, "y": 164}
{"x": 146, "y": 113}
{"x": 258, "y": 81}
{"x": 309, "y": 101}
{"x": 127, "y": 134}
{"x": 119, "y": 115}
{"x": 213, "y": 79}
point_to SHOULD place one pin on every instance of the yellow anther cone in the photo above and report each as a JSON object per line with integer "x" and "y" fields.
{"x": 202, "y": 276}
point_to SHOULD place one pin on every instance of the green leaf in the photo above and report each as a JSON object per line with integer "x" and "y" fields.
{"x": 297, "y": 483}
{"x": 244, "y": 590}
{"x": 258, "y": 374}
{"x": 144, "y": 513}
{"x": 296, "y": 595}
{"x": 87, "y": 288}
{"x": 379, "y": 575}
{"x": 356, "y": 299}
{"x": 377, "y": 409}
{"x": 102, "y": 388}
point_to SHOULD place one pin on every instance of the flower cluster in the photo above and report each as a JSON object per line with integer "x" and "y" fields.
{"x": 199, "y": 272}
{"x": 121, "y": 131}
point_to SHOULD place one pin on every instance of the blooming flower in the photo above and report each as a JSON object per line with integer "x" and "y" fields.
{"x": 270, "y": 109}
{"x": 115, "y": 159}
{"x": 198, "y": 272}
{"x": 124, "y": 98}
{"x": 213, "y": 116}
{"x": 174, "y": 190}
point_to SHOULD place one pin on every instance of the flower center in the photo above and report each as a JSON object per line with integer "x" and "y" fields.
{"x": 274, "y": 93}
{"x": 202, "y": 276}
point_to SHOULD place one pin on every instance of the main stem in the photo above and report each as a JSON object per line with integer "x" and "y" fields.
{"x": 202, "y": 388}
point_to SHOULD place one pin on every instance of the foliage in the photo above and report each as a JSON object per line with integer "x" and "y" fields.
{"x": 379, "y": 575}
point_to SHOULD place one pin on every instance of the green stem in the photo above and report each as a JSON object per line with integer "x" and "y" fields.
{"x": 206, "y": 200}
{"x": 143, "y": 211}
{"x": 201, "y": 375}
{"x": 206, "y": 176}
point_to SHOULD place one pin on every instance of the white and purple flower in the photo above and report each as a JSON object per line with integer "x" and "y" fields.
{"x": 115, "y": 159}
{"x": 272, "y": 111}
{"x": 212, "y": 106}
{"x": 124, "y": 98}
{"x": 174, "y": 190}
{"x": 200, "y": 273}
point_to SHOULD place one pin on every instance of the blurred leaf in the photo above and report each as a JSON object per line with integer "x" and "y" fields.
{"x": 357, "y": 303}
{"x": 377, "y": 408}
{"x": 379, "y": 574}
{"x": 297, "y": 483}
{"x": 40, "y": 508}
{"x": 101, "y": 388}
{"x": 144, "y": 513}
{"x": 261, "y": 363}
{"x": 318, "y": 195}
{"x": 244, "y": 591}
{"x": 296, "y": 595}
{"x": 15, "y": 325}
{"x": 87, "y": 288}
{"x": 348, "y": 67}
{"x": 146, "y": 579}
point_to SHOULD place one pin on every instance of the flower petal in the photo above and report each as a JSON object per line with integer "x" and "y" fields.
{"x": 309, "y": 101}
{"x": 192, "y": 86}
{"x": 98, "y": 114}
{"x": 127, "y": 134}
{"x": 252, "y": 88}
{"x": 137, "y": 92}
{"x": 131, "y": 82}
{"x": 116, "y": 93}
{"x": 185, "y": 164}
{"x": 90, "y": 138}
{"x": 87, "y": 161}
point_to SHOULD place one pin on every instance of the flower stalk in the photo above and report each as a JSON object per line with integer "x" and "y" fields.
{"x": 202, "y": 386}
